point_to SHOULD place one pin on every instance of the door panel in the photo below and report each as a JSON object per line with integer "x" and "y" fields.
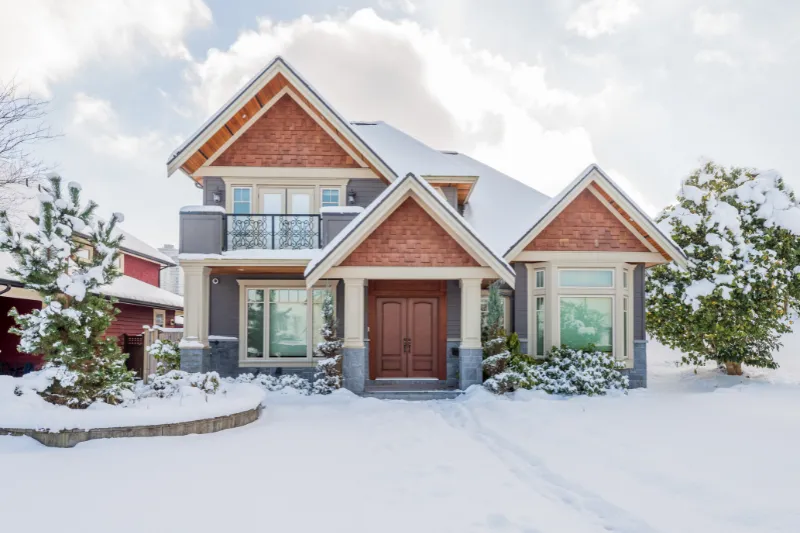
{"x": 301, "y": 201}
{"x": 391, "y": 333}
{"x": 422, "y": 321}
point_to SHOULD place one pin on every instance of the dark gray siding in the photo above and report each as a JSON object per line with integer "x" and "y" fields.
{"x": 366, "y": 190}
{"x": 333, "y": 223}
{"x": 200, "y": 233}
{"x": 638, "y": 303}
{"x": 521, "y": 301}
{"x": 213, "y": 185}
{"x": 451, "y": 193}
{"x": 453, "y": 310}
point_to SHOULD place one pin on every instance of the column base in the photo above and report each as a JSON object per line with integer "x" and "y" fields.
{"x": 638, "y": 374}
{"x": 354, "y": 369}
{"x": 470, "y": 367}
{"x": 195, "y": 359}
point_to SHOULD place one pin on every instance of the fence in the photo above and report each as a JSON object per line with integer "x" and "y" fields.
{"x": 150, "y": 336}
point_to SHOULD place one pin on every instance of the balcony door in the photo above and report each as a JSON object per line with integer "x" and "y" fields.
{"x": 283, "y": 231}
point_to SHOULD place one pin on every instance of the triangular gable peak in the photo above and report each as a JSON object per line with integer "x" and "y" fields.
{"x": 410, "y": 225}
{"x": 593, "y": 215}
{"x": 277, "y": 80}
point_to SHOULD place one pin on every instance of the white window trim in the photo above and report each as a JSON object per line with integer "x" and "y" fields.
{"x": 233, "y": 199}
{"x": 322, "y": 192}
{"x": 255, "y": 184}
{"x": 585, "y": 269}
{"x": 266, "y": 285}
{"x": 552, "y": 294}
{"x": 162, "y": 312}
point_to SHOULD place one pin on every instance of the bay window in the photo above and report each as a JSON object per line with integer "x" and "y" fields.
{"x": 280, "y": 321}
{"x": 580, "y": 306}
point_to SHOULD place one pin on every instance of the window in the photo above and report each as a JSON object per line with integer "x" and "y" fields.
{"x": 505, "y": 320}
{"x": 330, "y": 197}
{"x": 159, "y": 317}
{"x": 540, "y": 278}
{"x": 241, "y": 200}
{"x": 586, "y": 278}
{"x": 587, "y": 321}
{"x": 625, "y": 327}
{"x": 282, "y": 322}
{"x": 540, "y": 325}
{"x": 625, "y": 279}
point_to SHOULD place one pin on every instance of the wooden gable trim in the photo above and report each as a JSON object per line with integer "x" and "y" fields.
{"x": 256, "y": 99}
{"x": 285, "y": 91}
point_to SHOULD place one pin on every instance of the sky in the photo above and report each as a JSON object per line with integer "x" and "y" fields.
{"x": 538, "y": 89}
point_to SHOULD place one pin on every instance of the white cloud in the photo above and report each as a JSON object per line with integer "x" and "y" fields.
{"x": 46, "y": 41}
{"x": 446, "y": 93}
{"x": 709, "y": 24}
{"x": 598, "y": 17}
{"x": 715, "y": 56}
{"x": 87, "y": 109}
{"x": 406, "y": 6}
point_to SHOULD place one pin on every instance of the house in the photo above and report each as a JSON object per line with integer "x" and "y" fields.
{"x": 140, "y": 300}
{"x": 300, "y": 202}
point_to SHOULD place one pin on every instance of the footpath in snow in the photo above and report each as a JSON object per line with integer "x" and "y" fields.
{"x": 694, "y": 453}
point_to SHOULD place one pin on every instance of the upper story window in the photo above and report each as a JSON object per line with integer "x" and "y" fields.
{"x": 241, "y": 200}
{"x": 586, "y": 278}
{"x": 330, "y": 198}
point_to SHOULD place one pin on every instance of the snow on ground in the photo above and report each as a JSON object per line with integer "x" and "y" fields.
{"x": 30, "y": 411}
{"x": 695, "y": 452}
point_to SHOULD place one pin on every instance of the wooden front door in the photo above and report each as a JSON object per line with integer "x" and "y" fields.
{"x": 407, "y": 338}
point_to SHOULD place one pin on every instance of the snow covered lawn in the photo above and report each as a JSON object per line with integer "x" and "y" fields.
{"x": 30, "y": 411}
{"x": 695, "y": 452}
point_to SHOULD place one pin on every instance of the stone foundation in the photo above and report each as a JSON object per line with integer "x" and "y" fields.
{"x": 470, "y": 367}
{"x": 355, "y": 369}
{"x": 638, "y": 374}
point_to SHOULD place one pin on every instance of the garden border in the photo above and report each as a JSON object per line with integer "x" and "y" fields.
{"x": 70, "y": 437}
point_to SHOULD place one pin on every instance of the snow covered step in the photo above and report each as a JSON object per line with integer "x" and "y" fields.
{"x": 412, "y": 395}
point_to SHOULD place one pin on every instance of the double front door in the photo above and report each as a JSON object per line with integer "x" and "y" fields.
{"x": 407, "y": 339}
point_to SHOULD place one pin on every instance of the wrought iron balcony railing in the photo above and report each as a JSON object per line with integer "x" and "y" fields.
{"x": 272, "y": 232}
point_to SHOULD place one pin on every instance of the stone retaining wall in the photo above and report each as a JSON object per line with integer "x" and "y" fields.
{"x": 71, "y": 437}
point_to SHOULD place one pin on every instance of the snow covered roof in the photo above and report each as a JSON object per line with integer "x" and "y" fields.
{"x": 136, "y": 246}
{"x": 496, "y": 260}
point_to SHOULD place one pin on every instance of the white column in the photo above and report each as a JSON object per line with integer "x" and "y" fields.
{"x": 195, "y": 303}
{"x": 354, "y": 312}
{"x": 471, "y": 313}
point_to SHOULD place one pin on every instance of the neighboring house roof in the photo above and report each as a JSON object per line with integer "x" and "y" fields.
{"x": 247, "y": 93}
{"x": 338, "y": 248}
{"x": 642, "y": 223}
{"x": 135, "y": 246}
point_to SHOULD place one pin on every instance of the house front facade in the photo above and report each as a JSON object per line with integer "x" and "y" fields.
{"x": 300, "y": 203}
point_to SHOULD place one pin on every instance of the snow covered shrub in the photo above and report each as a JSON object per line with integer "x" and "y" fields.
{"x": 562, "y": 371}
{"x": 493, "y": 337}
{"x": 167, "y": 355}
{"x": 739, "y": 228}
{"x": 83, "y": 365}
{"x": 277, "y": 383}
{"x": 328, "y": 377}
{"x": 173, "y": 382}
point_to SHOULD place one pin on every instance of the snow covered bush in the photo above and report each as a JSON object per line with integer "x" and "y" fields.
{"x": 495, "y": 351}
{"x": 739, "y": 229}
{"x": 563, "y": 371}
{"x": 167, "y": 355}
{"x": 69, "y": 255}
{"x": 276, "y": 383}
{"x": 328, "y": 377}
{"x": 175, "y": 382}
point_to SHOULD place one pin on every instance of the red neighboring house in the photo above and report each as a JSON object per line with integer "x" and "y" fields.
{"x": 141, "y": 302}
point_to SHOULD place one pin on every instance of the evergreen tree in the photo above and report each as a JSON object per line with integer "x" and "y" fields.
{"x": 329, "y": 375}
{"x": 495, "y": 351}
{"x": 68, "y": 330}
{"x": 739, "y": 228}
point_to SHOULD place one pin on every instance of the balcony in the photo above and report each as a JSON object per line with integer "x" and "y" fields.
{"x": 271, "y": 232}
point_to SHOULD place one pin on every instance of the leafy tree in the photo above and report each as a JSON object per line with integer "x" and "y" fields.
{"x": 739, "y": 228}
{"x": 84, "y": 366}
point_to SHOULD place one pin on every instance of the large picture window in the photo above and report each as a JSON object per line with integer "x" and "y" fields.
{"x": 281, "y": 322}
{"x": 587, "y": 321}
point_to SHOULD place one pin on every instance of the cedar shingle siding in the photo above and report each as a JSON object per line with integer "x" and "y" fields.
{"x": 409, "y": 237}
{"x": 586, "y": 225}
{"x": 285, "y": 136}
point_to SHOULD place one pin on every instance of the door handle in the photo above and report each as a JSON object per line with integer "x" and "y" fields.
{"x": 406, "y": 345}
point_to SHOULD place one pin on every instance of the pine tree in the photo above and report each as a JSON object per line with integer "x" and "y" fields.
{"x": 328, "y": 376}
{"x": 495, "y": 351}
{"x": 739, "y": 229}
{"x": 68, "y": 330}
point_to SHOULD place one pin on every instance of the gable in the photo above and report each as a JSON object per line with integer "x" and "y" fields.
{"x": 409, "y": 236}
{"x": 585, "y": 224}
{"x": 285, "y": 136}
